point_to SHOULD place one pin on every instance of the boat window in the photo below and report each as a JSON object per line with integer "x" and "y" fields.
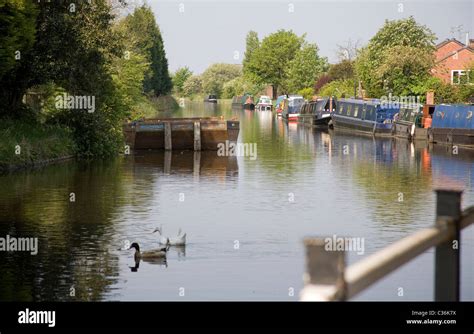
{"x": 340, "y": 108}
{"x": 349, "y": 109}
{"x": 456, "y": 115}
{"x": 356, "y": 110}
{"x": 469, "y": 115}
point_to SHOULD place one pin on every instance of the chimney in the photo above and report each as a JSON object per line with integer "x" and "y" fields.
{"x": 467, "y": 39}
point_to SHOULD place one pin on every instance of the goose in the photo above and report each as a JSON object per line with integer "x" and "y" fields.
{"x": 151, "y": 254}
{"x": 179, "y": 240}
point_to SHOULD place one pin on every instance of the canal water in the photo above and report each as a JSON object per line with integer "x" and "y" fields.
{"x": 245, "y": 217}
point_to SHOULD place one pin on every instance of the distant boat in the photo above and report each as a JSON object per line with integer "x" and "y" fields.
{"x": 211, "y": 98}
{"x": 292, "y": 107}
{"x": 249, "y": 103}
{"x": 264, "y": 103}
{"x": 279, "y": 104}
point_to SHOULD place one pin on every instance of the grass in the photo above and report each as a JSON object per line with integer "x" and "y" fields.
{"x": 24, "y": 143}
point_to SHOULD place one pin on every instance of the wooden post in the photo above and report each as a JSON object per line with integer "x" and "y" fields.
{"x": 197, "y": 164}
{"x": 447, "y": 262}
{"x": 167, "y": 163}
{"x": 168, "y": 144}
{"x": 324, "y": 276}
{"x": 197, "y": 136}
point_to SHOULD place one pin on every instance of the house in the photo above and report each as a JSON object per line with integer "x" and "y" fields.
{"x": 452, "y": 59}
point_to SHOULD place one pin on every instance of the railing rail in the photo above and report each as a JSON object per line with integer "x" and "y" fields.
{"x": 327, "y": 278}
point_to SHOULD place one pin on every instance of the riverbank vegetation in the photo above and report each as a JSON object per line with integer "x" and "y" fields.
{"x": 72, "y": 73}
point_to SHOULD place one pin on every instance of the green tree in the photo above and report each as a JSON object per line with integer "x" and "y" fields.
{"x": 252, "y": 43}
{"x": 304, "y": 68}
{"x": 192, "y": 86}
{"x": 342, "y": 70}
{"x": 180, "y": 77}
{"x": 146, "y": 39}
{"x": 216, "y": 75}
{"x": 338, "y": 88}
{"x": 404, "y": 34}
{"x": 269, "y": 62}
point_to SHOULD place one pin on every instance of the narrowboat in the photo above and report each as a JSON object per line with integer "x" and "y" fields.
{"x": 317, "y": 113}
{"x": 364, "y": 116}
{"x": 292, "y": 107}
{"x": 198, "y": 133}
{"x": 211, "y": 98}
{"x": 413, "y": 122}
{"x": 248, "y": 104}
{"x": 243, "y": 101}
{"x": 279, "y": 104}
{"x": 264, "y": 103}
{"x": 453, "y": 125}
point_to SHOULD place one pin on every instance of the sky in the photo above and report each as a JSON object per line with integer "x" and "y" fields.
{"x": 198, "y": 33}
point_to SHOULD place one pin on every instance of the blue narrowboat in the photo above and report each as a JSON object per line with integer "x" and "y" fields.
{"x": 453, "y": 125}
{"x": 364, "y": 116}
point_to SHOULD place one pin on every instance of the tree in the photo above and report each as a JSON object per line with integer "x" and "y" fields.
{"x": 269, "y": 62}
{"x": 338, "y": 88}
{"x": 348, "y": 51}
{"x": 402, "y": 35}
{"x": 192, "y": 86}
{"x": 216, "y": 75}
{"x": 146, "y": 39}
{"x": 323, "y": 80}
{"x": 180, "y": 77}
{"x": 342, "y": 70}
{"x": 252, "y": 43}
{"x": 304, "y": 68}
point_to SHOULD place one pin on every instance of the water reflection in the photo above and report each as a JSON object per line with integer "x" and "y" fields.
{"x": 304, "y": 182}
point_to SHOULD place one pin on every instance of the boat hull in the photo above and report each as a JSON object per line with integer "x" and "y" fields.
{"x": 361, "y": 126}
{"x": 452, "y": 136}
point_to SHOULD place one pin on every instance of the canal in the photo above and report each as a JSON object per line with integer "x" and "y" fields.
{"x": 245, "y": 217}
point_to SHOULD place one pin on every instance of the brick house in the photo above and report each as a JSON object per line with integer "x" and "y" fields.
{"x": 452, "y": 59}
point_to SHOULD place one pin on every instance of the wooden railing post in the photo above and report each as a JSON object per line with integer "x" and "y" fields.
{"x": 324, "y": 276}
{"x": 447, "y": 262}
{"x": 168, "y": 144}
{"x": 197, "y": 136}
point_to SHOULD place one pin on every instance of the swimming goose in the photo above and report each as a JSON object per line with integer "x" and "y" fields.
{"x": 151, "y": 254}
{"x": 179, "y": 240}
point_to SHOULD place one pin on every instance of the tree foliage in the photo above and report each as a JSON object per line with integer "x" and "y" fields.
{"x": 304, "y": 68}
{"x": 180, "y": 77}
{"x": 216, "y": 75}
{"x": 407, "y": 36}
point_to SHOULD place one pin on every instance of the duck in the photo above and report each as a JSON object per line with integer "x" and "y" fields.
{"x": 151, "y": 254}
{"x": 179, "y": 240}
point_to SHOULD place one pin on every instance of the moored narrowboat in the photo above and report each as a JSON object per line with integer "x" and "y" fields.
{"x": 413, "y": 122}
{"x": 317, "y": 113}
{"x": 364, "y": 116}
{"x": 292, "y": 107}
{"x": 279, "y": 104}
{"x": 453, "y": 125}
{"x": 211, "y": 98}
{"x": 264, "y": 103}
{"x": 249, "y": 103}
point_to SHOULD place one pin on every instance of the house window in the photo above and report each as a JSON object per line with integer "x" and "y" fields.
{"x": 460, "y": 77}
